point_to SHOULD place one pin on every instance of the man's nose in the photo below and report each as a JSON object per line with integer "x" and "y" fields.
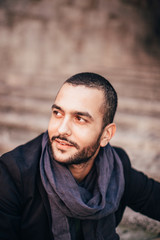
{"x": 64, "y": 127}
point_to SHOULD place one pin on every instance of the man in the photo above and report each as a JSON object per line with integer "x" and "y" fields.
{"x": 69, "y": 183}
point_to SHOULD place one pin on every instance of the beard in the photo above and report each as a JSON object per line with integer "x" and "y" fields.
{"x": 81, "y": 156}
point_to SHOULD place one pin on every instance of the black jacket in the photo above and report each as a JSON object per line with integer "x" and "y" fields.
{"x": 24, "y": 207}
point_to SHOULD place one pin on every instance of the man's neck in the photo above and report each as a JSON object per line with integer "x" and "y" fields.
{"x": 80, "y": 171}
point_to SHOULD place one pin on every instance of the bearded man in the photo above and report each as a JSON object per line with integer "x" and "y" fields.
{"x": 69, "y": 183}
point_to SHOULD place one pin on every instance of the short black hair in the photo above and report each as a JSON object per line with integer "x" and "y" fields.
{"x": 93, "y": 80}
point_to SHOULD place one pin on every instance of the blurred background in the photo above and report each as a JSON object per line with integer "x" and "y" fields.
{"x": 43, "y": 42}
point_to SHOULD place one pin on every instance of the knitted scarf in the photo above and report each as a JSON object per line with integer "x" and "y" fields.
{"x": 93, "y": 202}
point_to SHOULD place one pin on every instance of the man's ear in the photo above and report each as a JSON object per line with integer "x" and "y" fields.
{"x": 107, "y": 134}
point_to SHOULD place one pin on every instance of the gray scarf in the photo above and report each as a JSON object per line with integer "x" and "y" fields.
{"x": 94, "y": 201}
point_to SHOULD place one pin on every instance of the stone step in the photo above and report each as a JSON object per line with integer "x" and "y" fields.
{"x": 12, "y": 137}
{"x": 34, "y": 105}
{"x": 23, "y": 121}
{"x": 148, "y": 81}
{"x": 21, "y": 104}
{"x": 39, "y": 93}
{"x": 128, "y": 82}
{"x": 141, "y": 123}
{"x": 139, "y": 92}
{"x": 141, "y": 73}
{"x": 143, "y": 107}
{"x": 123, "y": 77}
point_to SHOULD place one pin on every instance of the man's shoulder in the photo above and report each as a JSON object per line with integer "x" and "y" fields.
{"x": 23, "y": 155}
{"x": 124, "y": 159}
{"x": 122, "y": 154}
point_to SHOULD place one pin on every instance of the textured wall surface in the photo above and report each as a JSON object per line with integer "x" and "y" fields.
{"x": 42, "y": 36}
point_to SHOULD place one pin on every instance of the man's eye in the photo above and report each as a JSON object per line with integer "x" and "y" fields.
{"x": 57, "y": 113}
{"x": 80, "y": 119}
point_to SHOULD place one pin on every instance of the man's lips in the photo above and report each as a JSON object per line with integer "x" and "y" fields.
{"x": 63, "y": 143}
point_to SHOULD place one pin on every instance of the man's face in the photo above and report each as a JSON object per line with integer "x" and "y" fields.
{"x": 75, "y": 127}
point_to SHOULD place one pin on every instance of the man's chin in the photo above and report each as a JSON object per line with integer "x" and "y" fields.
{"x": 71, "y": 161}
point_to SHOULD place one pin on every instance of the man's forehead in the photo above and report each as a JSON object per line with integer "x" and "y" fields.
{"x": 79, "y": 96}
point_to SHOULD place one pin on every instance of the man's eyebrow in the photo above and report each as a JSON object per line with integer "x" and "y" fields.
{"x": 85, "y": 114}
{"x": 56, "y": 106}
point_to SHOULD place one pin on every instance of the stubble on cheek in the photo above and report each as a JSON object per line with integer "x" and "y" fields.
{"x": 78, "y": 157}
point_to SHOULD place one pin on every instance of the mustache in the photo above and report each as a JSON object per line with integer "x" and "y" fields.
{"x": 65, "y": 139}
